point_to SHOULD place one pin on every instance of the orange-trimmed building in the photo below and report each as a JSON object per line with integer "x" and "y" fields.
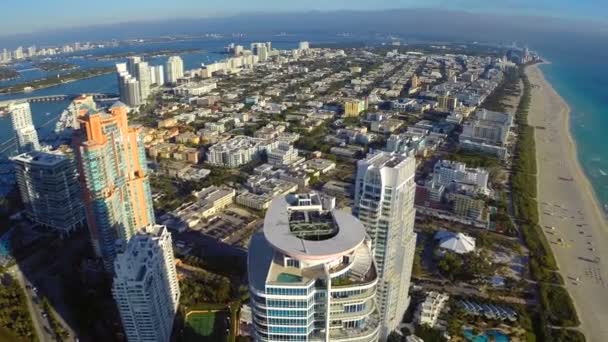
{"x": 112, "y": 167}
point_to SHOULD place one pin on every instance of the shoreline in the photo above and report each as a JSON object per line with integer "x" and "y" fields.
{"x": 573, "y": 151}
{"x": 569, "y": 211}
{"x": 49, "y": 86}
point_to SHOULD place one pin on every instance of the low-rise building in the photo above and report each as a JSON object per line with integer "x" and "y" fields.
{"x": 238, "y": 151}
{"x": 284, "y": 155}
{"x": 354, "y": 107}
{"x": 428, "y": 311}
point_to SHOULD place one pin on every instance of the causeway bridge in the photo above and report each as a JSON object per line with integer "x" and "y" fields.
{"x": 63, "y": 97}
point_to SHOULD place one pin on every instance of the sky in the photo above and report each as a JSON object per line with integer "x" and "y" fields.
{"x": 40, "y": 15}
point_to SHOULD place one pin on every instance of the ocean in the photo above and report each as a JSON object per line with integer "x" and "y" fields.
{"x": 578, "y": 72}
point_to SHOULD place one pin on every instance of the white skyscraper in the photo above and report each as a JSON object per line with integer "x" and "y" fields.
{"x": 21, "y": 117}
{"x": 157, "y": 75}
{"x": 304, "y": 46}
{"x": 145, "y": 286}
{"x": 132, "y": 62}
{"x": 384, "y": 203}
{"x": 142, "y": 74}
{"x": 128, "y": 86}
{"x": 174, "y": 69}
{"x": 312, "y": 275}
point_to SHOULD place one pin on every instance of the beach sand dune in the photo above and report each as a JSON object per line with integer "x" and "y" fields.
{"x": 566, "y": 202}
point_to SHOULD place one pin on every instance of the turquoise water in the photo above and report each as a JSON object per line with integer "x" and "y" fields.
{"x": 5, "y": 247}
{"x": 489, "y": 335}
{"x": 288, "y": 278}
{"x": 579, "y": 74}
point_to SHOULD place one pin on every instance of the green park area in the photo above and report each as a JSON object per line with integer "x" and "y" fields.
{"x": 205, "y": 326}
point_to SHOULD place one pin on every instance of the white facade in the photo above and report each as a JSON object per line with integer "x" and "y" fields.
{"x": 145, "y": 285}
{"x": 142, "y": 74}
{"x": 283, "y": 155}
{"x": 157, "y": 75}
{"x": 487, "y": 127}
{"x": 311, "y": 274}
{"x": 238, "y": 151}
{"x": 128, "y": 86}
{"x": 429, "y": 310}
{"x": 174, "y": 69}
{"x": 21, "y": 117}
{"x": 384, "y": 203}
{"x": 446, "y": 172}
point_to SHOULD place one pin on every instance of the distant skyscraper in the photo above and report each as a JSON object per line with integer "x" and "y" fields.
{"x": 114, "y": 178}
{"x": 312, "y": 276}
{"x": 384, "y": 203}
{"x": 262, "y": 53}
{"x": 174, "y": 69}
{"x": 145, "y": 286}
{"x": 31, "y": 51}
{"x": 21, "y": 117}
{"x": 142, "y": 74}
{"x": 128, "y": 86}
{"x": 304, "y": 46}
{"x": 48, "y": 183}
{"x": 132, "y": 62}
{"x": 157, "y": 75}
{"x": 18, "y": 53}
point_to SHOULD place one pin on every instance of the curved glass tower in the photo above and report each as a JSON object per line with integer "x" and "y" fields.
{"x": 312, "y": 275}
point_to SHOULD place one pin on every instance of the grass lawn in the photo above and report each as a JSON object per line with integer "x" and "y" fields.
{"x": 205, "y": 326}
{"x": 6, "y": 335}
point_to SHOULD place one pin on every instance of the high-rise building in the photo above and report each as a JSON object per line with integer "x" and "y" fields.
{"x": 128, "y": 86}
{"x": 6, "y": 56}
{"x": 48, "y": 183}
{"x": 312, "y": 276}
{"x": 142, "y": 74}
{"x": 262, "y": 53}
{"x": 304, "y": 46}
{"x": 18, "y": 53}
{"x": 145, "y": 285}
{"x": 384, "y": 203}
{"x": 157, "y": 75}
{"x": 174, "y": 69}
{"x": 132, "y": 62}
{"x": 31, "y": 51}
{"x": 21, "y": 117}
{"x": 114, "y": 178}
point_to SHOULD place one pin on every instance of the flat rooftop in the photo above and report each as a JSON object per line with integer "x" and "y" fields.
{"x": 305, "y": 231}
{"x": 40, "y": 158}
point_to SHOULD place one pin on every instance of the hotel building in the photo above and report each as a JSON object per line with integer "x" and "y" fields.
{"x": 384, "y": 203}
{"x": 114, "y": 178}
{"x": 312, "y": 276}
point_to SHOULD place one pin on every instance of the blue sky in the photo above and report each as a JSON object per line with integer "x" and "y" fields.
{"x": 37, "y": 15}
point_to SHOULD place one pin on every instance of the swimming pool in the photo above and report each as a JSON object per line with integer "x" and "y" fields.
{"x": 489, "y": 335}
{"x": 288, "y": 278}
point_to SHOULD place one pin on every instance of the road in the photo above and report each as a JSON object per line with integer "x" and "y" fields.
{"x": 41, "y": 324}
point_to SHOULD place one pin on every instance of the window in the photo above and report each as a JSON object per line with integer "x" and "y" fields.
{"x": 293, "y": 263}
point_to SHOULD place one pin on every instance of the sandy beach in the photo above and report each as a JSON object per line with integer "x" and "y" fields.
{"x": 566, "y": 202}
